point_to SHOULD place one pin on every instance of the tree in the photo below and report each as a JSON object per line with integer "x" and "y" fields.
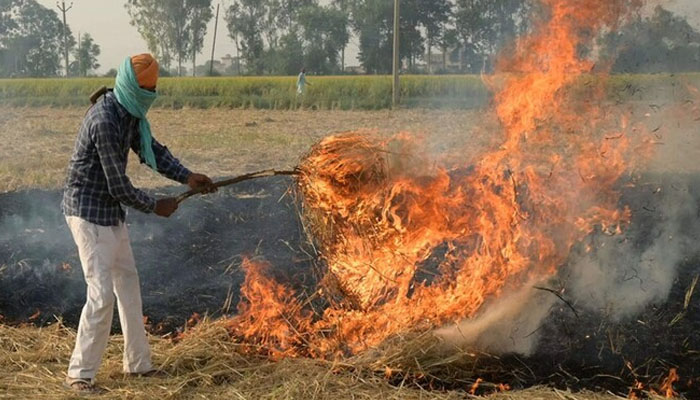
{"x": 372, "y": 22}
{"x": 147, "y": 17}
{"x": 484, "y": 26}
{"x": 242, "y": 19}
{"x": 7, "y": 23}
{"x": 325, "y": 31}
{"x": 201, "y": 15}
{"x": 434, "y": 16}
{"x": 85, "y": 56}
{"x": 662, "y": 42}
{"x": 288, "y": 13}
{"x": 31, "y": 39}
{"x": 345, "y": 6}
{"x": 173, "y": 29}
{"x": 290, "y": 54}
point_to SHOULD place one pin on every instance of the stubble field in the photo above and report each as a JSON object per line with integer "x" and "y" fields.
{"x": 37, "y": 143}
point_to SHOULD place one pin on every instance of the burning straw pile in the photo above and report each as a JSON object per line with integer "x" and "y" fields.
{"x": 409, "y": 247}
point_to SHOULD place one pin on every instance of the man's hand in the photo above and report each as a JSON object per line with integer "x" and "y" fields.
{"x": 165, "y": 207}
{"x": 201, "y": 182}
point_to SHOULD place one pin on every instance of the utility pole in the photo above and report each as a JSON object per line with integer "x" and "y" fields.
{"x": 395, "y": 86}
{"x": 213, "y": 45}
{"x": 80, "y": 57}
{"x": 64, "y": 10}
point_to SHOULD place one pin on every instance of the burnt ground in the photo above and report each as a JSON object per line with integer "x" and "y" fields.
{"x": 190, "y": 263}
{"x": 582, "y": 347}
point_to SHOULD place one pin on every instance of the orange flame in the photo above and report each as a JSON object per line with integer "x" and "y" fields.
{"x": 667, "y": 384}
{"x": 475, "y": 386}
{"x": 413, "y": 247}
{"x": 35, "y": 315}
{"x": 635, "y": 391}
{"x": 270, "y": 318}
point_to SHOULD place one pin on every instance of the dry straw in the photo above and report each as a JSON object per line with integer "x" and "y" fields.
{"x": 206, "y": 364}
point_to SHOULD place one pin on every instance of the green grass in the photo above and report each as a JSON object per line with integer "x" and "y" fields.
{"x": 327, "y": 92}
{"x": 276, "y": 93}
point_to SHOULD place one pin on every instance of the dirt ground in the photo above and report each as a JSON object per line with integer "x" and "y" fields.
{"x": 37, "y": 142}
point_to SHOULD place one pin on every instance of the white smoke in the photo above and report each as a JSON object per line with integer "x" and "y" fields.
{"x": 608, "y": 277}
{"x": 509, "y": 325}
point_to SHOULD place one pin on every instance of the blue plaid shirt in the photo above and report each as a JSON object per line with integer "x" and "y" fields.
{"x": 97, "y": 184}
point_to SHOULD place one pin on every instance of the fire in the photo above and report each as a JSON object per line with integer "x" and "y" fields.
{"x": 270, "y": 318}
{"x": 665, "y": 389}
{"x": 635, "y": 391}
{"x": 475, "y": 386}
{"x": 35, "y": 315}
{"x": 412, "y": 246}
{"x": 667, "y": 384}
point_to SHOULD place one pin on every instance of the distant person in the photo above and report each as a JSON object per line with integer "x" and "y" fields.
{"x": 96, "y": 189}
{"x": 301, "y": 82}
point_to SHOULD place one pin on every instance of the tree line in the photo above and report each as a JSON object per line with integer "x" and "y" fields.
{"x": 279, "y": 37}
{"x": 31, "y": 43}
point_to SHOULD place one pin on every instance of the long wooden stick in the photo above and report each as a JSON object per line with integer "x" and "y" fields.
{"x": 237, "y": 179}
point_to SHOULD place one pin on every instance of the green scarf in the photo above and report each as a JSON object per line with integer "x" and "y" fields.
{"x": 137, "y": 101}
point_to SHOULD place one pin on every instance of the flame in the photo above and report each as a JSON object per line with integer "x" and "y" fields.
{"x": 193, "y": 320}
{"x": 635, "y": 390}
{"x": 35, "y": 315}
{"x": 475, "y": 386}
{"x": 410, "y": 245}
{"x": 270, "y": 318}
{"x": 667, "y": 384}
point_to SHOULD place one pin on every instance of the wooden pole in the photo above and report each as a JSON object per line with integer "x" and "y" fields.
{"x": 80, "y": 57}
{"x": 213, "y": 45}
{"x": 64, "y": 10}
{"x": 396, "y": 88}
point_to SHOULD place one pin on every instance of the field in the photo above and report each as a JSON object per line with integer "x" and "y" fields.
{"x": 205, "y": 365}
{"x": 276, "y": 93}
{"x": 325, "y": 93}
{"x": 220, "y": 141}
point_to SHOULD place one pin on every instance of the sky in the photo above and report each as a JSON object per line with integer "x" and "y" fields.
{"x": 108, "y": 23}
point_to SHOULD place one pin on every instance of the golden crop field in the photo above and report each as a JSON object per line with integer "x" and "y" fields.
{"x": 327, "y": 92}
{"x": 324, "y": 92}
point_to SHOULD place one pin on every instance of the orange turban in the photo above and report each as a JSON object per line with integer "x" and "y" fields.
{"x": 146, "y": 70}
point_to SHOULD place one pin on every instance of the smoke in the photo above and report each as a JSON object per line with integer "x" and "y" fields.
{"x": 607, "y": 277}
{"x": 619, "y": 277}
{"x": 508, "y": 325}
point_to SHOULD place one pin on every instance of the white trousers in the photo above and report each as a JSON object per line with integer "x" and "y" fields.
{"x": 109, "y": 270}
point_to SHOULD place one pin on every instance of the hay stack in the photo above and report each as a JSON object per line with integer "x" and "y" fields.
{"x": 336, "y": 172}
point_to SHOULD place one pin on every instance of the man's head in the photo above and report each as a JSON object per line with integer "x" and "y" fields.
{"x": 146, "y": 70}
{"x": 303, "y": 70}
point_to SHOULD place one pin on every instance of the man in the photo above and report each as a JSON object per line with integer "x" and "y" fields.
{"x": 301, "y": 82}
{"x": 96, "y": 189}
